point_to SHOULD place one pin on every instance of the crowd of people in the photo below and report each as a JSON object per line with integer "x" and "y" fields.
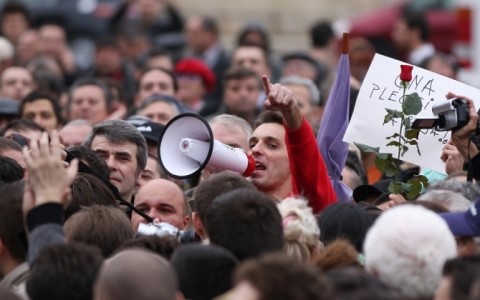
{"x": 87, "y": 210}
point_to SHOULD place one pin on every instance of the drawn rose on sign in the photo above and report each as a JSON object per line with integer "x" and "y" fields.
{"x": 385, "y": 162}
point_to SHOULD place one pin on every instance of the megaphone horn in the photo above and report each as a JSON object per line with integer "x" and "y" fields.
{"x": 187, "y": 146}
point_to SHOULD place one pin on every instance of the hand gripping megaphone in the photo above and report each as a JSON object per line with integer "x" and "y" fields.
{"x": 187, "y": 146}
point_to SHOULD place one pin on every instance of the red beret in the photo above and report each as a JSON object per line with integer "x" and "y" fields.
{"x": 196, "y": 66}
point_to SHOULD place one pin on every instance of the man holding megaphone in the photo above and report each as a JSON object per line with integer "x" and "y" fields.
{"x": 286, "y": 154}
{"x": 283, "y": 160}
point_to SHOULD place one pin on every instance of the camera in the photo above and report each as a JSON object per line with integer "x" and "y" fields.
{"x": 166, "y": 229}
{"x": 449, "y": 115}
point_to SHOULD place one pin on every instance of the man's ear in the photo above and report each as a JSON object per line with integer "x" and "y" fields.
{"x": 186, "y": 221}
{"x": 198, "y": 225}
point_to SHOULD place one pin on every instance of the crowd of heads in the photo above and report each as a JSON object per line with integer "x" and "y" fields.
{"x": 89, "y": 211}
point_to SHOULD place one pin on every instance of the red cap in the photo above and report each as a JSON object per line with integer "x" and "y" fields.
{"x": 250, "y": 167}
{"x": 197, "y": 67}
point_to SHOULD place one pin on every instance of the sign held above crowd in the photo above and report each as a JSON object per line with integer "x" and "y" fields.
{"x": 382, "y": 89}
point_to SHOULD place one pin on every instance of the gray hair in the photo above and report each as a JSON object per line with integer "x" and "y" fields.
{"x": 298, "y": 80}
{"x": 451, "y": 200}
{"x": 233, "y": 121}
{"x": 119, "y": 132}
{"x": 466, "y": 189}
{"x": 352, "y": 179}
{"x": 162, "y": 98}
{"x": 395, "y": 254}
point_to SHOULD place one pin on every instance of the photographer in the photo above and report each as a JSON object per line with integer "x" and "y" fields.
{"x": 462, "y": 139}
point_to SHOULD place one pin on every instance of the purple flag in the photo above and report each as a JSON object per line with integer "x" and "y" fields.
{"x": 332, "y": 129}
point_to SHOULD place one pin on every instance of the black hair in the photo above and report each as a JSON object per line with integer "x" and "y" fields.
{"x": 88, "y": 190}
{"x": 257, "y": 28}
{"x": 246, "y": 222}
{"x": 210, "y": 24}
{"x": 464, "y": 272}
{"x": 417, "y": 20}
{"x": 43, "y": 95}
{"x": 157, "y": 51}
{"x": 321, "y": 33}
{"x": 91, "y": 159}
{"x": 10, "y": 170}
{"x": 204, "y": 271}
{"x": 16, "y": 7}
{"x": 345, "y": 220}
{"x": 105, "y": 41}
{"x": 64, "y": 271}
{"x": 22, "y": 125}
{"x": 268, "y": 117}
{"x": 214, "y": 186}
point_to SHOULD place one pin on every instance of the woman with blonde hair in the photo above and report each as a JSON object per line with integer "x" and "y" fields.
{"x": 300, "y": 228}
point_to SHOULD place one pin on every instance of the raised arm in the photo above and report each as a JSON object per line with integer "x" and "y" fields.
{"x": 310, "y": 176}
{"x": 45, "y": 193}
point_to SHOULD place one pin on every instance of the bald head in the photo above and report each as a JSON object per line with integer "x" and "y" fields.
{"x": 136, "y": 274}
{"x": 163, "y": 201}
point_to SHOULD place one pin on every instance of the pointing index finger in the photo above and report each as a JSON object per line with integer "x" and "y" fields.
{"x": 266, "y": 84}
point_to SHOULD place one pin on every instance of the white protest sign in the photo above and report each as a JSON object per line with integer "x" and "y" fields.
{"x": 381, "y": 89}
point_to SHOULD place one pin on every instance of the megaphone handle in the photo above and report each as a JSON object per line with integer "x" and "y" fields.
{"x": 250, "y": 167}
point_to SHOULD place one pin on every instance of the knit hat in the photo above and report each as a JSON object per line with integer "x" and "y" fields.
{"x": 197, "y": 67}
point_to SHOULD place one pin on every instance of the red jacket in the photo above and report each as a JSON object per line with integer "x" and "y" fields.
{"x": 309, "y": 173}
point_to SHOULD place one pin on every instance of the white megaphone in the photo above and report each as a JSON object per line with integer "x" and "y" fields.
{"x": 186, "y": 147}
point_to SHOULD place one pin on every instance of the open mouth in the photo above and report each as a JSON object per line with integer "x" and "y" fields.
{"x": 259, "y": 166}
